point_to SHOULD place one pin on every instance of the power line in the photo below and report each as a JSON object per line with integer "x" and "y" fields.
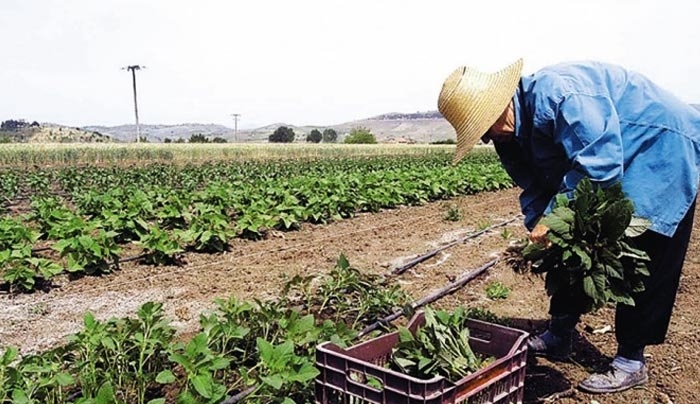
{"x": 133, "y": 69}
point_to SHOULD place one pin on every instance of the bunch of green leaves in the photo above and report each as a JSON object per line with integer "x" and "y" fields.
{"x": 15, "y": 233}
{"x": 18, "y": 265}
{"x": 592, "y": 253}
{"x": 439, "y": 347}
{"x": 209, "y": 229}
{"x": 20, "y": 269}
{"x": 50, "y": 214}
{"x": 93, "y": 250}
{"x": 161, "y": 247}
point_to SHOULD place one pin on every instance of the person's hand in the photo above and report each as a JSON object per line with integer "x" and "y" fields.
{"x": 538, "y": 235}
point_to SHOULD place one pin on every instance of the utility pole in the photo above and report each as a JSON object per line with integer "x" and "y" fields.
{"x": 133, "y": 69}
{"x": 235, "y": 126}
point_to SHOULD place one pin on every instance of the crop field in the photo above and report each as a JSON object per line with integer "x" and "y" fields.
{"x": 68, "y": 154}
{"x": 147, "y": 275}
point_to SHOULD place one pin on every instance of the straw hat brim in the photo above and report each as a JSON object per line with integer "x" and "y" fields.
{"x": 472, "y": 101}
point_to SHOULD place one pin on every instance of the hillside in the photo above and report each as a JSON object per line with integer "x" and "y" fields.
{"x": 393, "y": 127}
{"x": 419, "y": 127}
{"x": 23, "y": 132}
{"x": 158, "y": 133}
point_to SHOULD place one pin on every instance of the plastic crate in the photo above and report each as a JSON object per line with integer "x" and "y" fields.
{"x": 356, "y": 375}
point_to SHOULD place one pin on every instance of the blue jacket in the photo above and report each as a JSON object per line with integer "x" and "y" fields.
{"x": 609, "y": 124}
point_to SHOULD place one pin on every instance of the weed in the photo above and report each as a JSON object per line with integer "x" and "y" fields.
{"x": 506, "y": 234}
{"x": 453, "y": 214}
{"x": 497, "y": 291}
{"x": 483, "y": 225}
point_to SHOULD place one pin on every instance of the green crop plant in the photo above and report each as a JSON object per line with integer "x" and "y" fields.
{"x": 497, "y": 291}
{"x": 44, "y": 379}
{"x": 200, "y": 365}
{"x": 21, "y": 270}
{"x": 14, "y": 233}
{"x": 453, "y": 214}
{"x": 161, "y": 247}
{"x": 8, "y": 374}
{"x": 94, "y": 251}
{"x": 592, "y": 253}
{"x": 209, "y": 229}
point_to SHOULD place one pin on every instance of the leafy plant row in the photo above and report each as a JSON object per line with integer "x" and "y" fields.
{"x": 19, "y": 182}
{"x": 264, "y": 347}
{"x": 89, "y": 230}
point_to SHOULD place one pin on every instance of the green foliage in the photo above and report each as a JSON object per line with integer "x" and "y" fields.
{"x": 439, "y": 347}
{"x": 314, "y": 136}
{"x": 282, "y": 134}
{"x": 92, "y": 251}
{"x": 346, "y": 294}
{"x": 360, "y": 135}
{"x": 592, "y": 254}
{"x": 14, "y": 125}
{"x": 168, "y": 207}
{"x": 200, "y": 365}
{"x": 21, "y": 270}
{"x": 453, "y": 214}
{"x": 445, "y": 141}
{"x": 265, "y": 347}
{"x": 330, "y": 135}
{"x": 209, "y": 229}
{"x": 198, "y": 138}
{"x": 161, "y": 247}
{"x": 497, "y": 291}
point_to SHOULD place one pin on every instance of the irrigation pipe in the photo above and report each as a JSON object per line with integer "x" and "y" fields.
{"x": 240, "y": 396}
{"x": 401, "y": 269}
{"x": 436, "y": 295}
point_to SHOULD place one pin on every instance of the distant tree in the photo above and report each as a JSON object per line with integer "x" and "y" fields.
{"x": 282, "y": 134}
{"x": 360, "y": 135}
{"x": 314, "y": 136}
{"x": 198, "y": 138}
{"x": 218, "y": 139}
{"x": 179, "y": 140}
{"x": 330, "y": 136}
{"x": 12, "y": 125}
{"x": 143, "y": 139}
{"x": 35, "y": 124}
{"x": 167, "y": 140}
{"x": 445, "y": 141}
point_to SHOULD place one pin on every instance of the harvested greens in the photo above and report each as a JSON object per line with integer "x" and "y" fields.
{"x": 592, "y": 253}
{"x": 439, "y": 347}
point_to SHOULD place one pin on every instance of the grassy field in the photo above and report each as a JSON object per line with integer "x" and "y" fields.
{"x": 57, "y": 154}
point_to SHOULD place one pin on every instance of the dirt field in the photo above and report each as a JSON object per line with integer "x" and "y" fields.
{"x": 376, "y": 243}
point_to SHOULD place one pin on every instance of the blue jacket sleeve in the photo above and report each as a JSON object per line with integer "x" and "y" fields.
{"x": 533, "y": 199}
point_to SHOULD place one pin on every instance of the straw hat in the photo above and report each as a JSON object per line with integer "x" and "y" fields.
{"x": 472, "y": 101}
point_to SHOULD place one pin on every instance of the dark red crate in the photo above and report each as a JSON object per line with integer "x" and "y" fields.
{"x": 356, "y": 375}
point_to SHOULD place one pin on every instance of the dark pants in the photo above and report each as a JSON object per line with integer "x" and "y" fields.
{"x": 645, "y": 323}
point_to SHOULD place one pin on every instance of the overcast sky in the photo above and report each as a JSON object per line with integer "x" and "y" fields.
{"x": 310, "y": 62}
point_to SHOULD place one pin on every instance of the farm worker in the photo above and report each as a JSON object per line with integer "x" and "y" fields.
{"x": 575, "y": 120}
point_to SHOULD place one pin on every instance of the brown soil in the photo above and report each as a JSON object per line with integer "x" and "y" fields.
{"x": 377, "y": 243}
